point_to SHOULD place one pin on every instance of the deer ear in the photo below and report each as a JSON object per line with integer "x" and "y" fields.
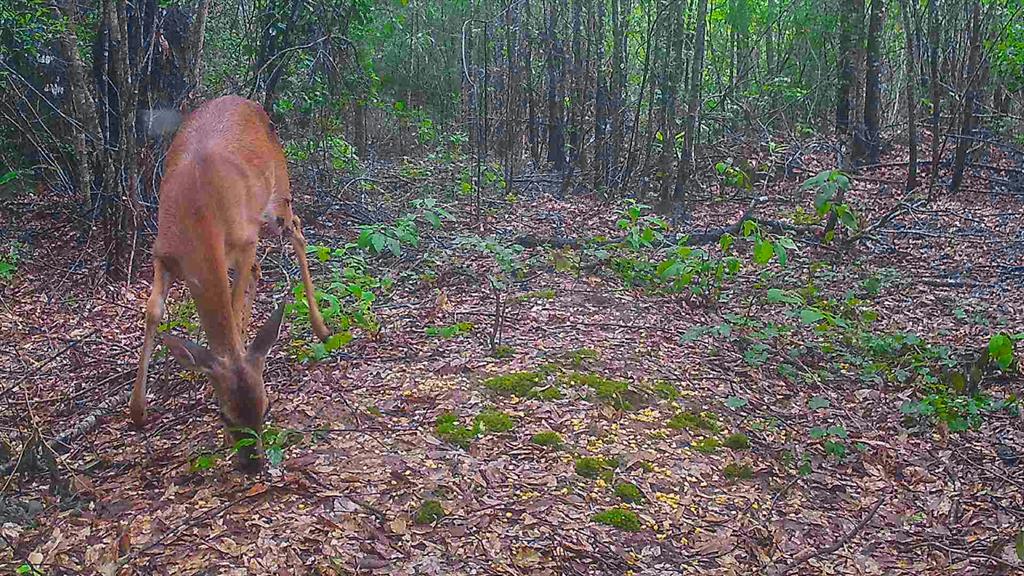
{"x": 268, "y": 334}
{"x": 190, "y": 355}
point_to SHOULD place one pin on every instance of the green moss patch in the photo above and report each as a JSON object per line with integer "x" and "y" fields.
{"x": 614, "y": 392}
{"x": 430, "y": 511}
{"x": 450, "y": 430}
{"x": 577, "y": 358}
{"x": 493, "y": 421}
{"x": 628, "y": 493}
{"x": 694, "y": 421}
{"x": 503, "y": 351}
{"x": 735, "y": 471}
{"x": 523, "y": 385}
{"x": 666, "y": 390}
{"x": 620, "y": 518}
{"x": 707, "y": 446}
{"x": 547, "y": 439}
{"x": 737, "y": 442}
{"x": 592, "y": 467}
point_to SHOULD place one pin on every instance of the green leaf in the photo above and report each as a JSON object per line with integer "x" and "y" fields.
{"x": 1019, "y": 545}
{"x": 275, "y": 455}
{"x": 1000, "y": 349}
{"x": 837, "y": 449}
{"x": 726, "y": 242}
{"x": 817, "y": 433}
{"x": 811, "y": 316}
{"x": 846, "y": 216}
{"x": 780, "y": 253}
{"x": 818, "y": 402}
{"x": 736, "y": 402}
{"x": 837, "y": 431}
{"x": 8, "y": 177}
{"x": 763, "y": 251}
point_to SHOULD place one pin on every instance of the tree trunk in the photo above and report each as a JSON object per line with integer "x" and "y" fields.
{"x": 971, "y": 74}
{"x": 688, "y": 161}
{"x": 846, "y": 72}
{"x": 859, "y": 139}
{"x": 911, "y": 95}
{"x": 556, "y": 133}
{"x": 873, "y": 81}
{"x": 933, "y": 81}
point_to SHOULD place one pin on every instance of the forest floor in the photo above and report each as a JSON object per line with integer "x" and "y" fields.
{"x": 801, "y": 430}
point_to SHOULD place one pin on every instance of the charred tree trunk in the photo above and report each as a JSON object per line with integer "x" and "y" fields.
{"x": 556, "y": 128}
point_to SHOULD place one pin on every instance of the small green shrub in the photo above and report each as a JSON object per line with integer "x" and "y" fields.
{"x": 737, "y": 442}
{"x": 429, "y": 512}
{"x": 577, "y": 358}
{"x": 605, "y": 389}
{"x": 547, "y": 439}
{"x": 628, "y": 493}
{"x": 451, "y": 331}
{"x": 620, "y": 518}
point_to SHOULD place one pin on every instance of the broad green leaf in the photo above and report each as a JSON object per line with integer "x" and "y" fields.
{"x": 818, "y": 402}
{"x": 763, "y": 251}
{"x": 736, "y": 402}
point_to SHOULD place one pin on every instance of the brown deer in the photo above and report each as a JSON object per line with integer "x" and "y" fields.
{"x": 225, "y": 179}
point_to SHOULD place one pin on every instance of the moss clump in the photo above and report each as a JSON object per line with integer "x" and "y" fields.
{"x": 504, "y": 351}
{"x": 620, "y": 518}
{"x": 547, "y": 439}
{"x": 591, "y": 467}
{"x": 737, "y": 442}
{"x": 694, "y": 421}
{"x": 493, "y": 421}
{"x": 628, "y": 493}
{"x": 606, "y": 389}
{"x": 523, "y": 385}
{"x": 514, "y": 384}
{"x": 430, "y": 511}
{"x": 450, "y": 430}
{"x": 707, "y": 445}
{"x": 577, "y": 358}
{"x": 666, "y": 390}
{"x": 734, "y": 471}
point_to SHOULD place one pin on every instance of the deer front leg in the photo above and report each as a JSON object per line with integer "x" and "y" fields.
{"x": 298, "y": 242}
{"x": 241, "y": 302}
{"x": 154, "y": 315}
{"x": 250, "y": 296}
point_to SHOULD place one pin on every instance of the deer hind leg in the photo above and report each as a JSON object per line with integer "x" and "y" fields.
{"x": 298, "y": 242}
{"x": 154, "y": 315}
{"x": 241, "y": 303}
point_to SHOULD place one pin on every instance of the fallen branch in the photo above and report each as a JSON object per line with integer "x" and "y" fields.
{"x": 810, "y": 554}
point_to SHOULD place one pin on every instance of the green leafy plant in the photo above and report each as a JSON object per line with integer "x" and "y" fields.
{"x": 737, "y": 441}
{"x": 378, "y": 238}
{"x": 595, "y": 467}
{"x": 830, "y": 187}
{"x": 9, "y": 261}
{"x": 737, "y": 471}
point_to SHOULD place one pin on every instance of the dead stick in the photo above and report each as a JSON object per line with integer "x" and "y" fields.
{"x": 811, "y": 554}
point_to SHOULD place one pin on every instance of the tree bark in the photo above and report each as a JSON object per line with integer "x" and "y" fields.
{"x": 971, "y": 73}
{"x": 911, "y": 95}
{"x": 936, "y": 89}
{"x": 873, "y": 81}
{"x": 688, "y": 161}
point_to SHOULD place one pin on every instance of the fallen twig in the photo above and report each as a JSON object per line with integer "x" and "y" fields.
{"x": 810, "y": 554}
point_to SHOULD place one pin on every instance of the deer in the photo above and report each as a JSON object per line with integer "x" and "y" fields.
{"x": 225, "y": 184}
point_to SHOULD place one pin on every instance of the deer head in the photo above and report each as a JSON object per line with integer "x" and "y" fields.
{"x": 237, "y": 381}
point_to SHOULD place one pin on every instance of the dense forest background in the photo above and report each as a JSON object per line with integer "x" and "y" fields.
{"x": 629, "y": 98}
{"x": 615, "y": 286}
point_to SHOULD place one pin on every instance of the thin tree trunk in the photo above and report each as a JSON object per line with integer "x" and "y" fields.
{"x": 688, "y": 161}
{"x": 936, "y": 89}
{"x": 971, "y": 73}
{"x": 873, "y": 81}
{"x": 911, "y": 95}
{"x": 845, "y": 84}
{"x": 556, "y": 133}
